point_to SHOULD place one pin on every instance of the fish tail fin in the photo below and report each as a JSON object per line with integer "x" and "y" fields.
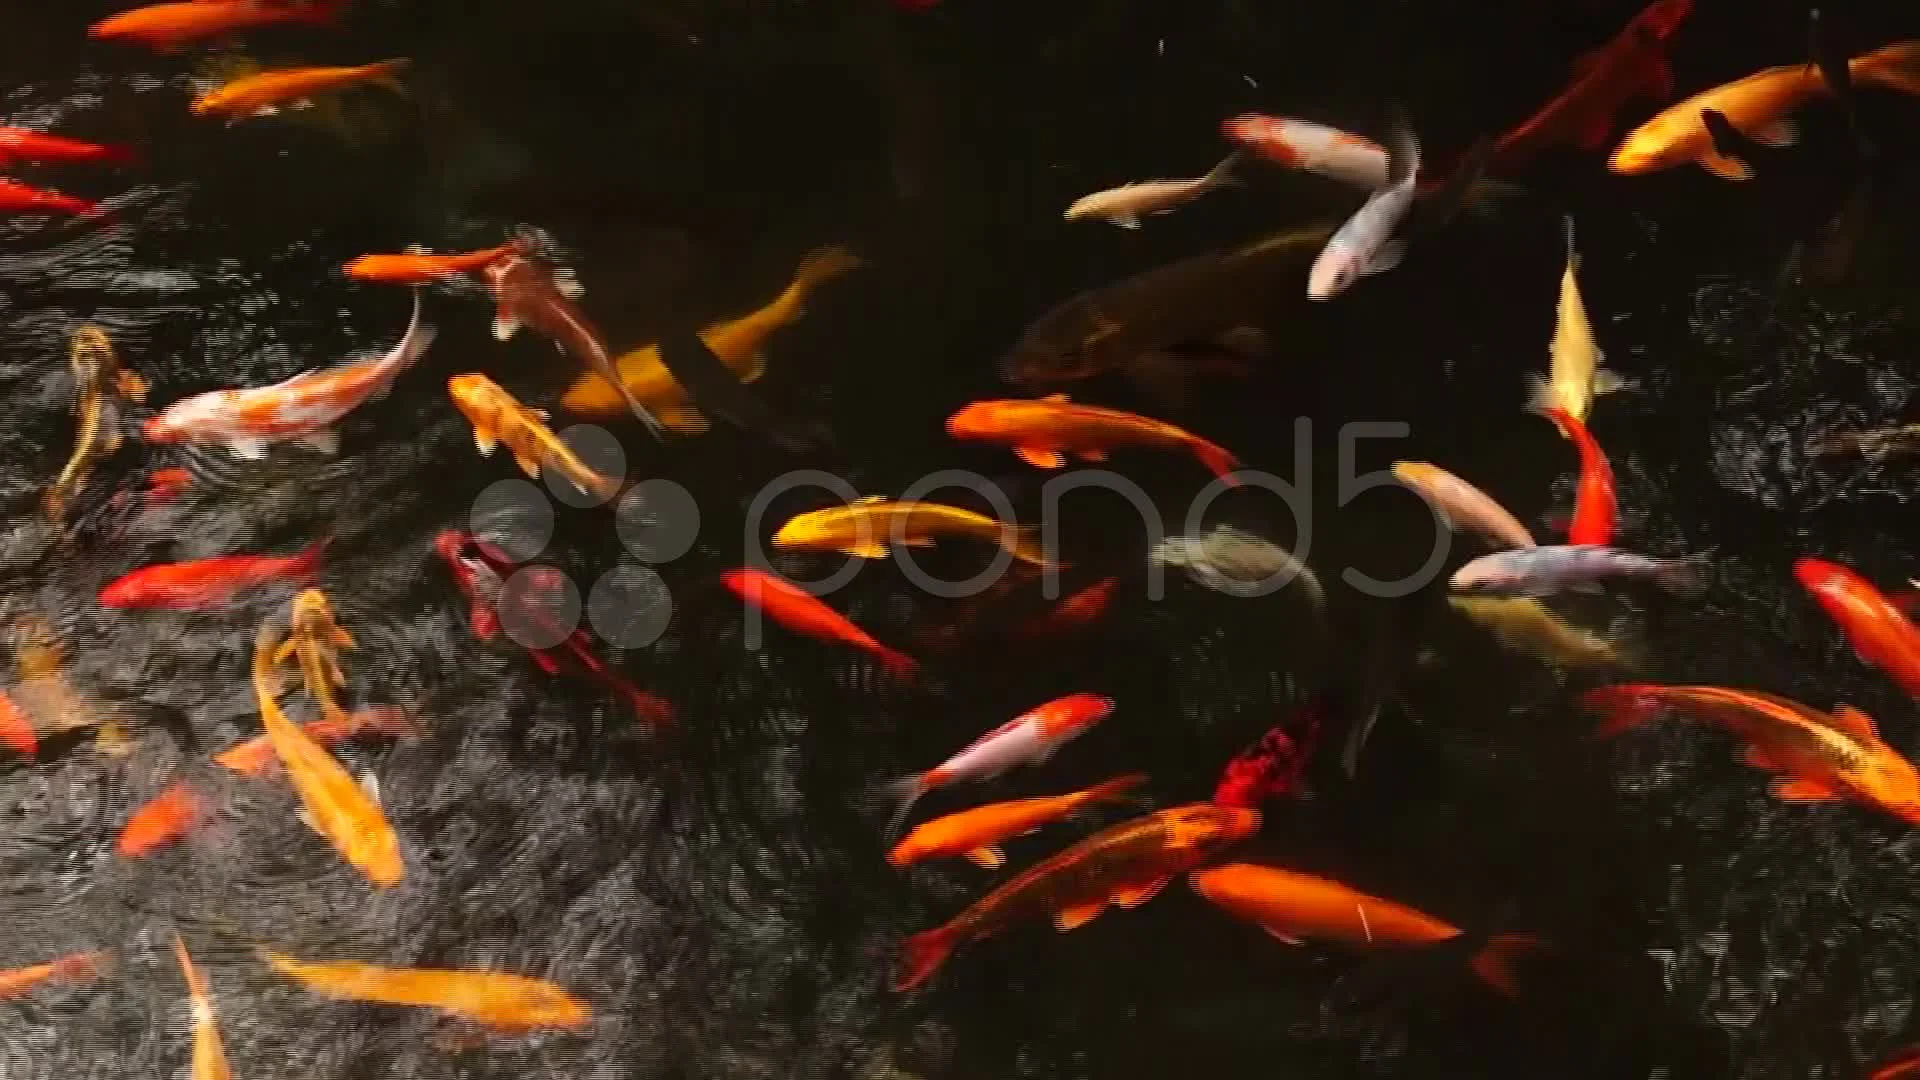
{"x": 1540, "y": 394}
{"x": 306, "y": 565}
{"x": 385, "y": 720}
{"x": 1023, "y": 543}
{"x": 1896, "y": 67}
{"x": 1608, "y": 381}
{"x": 1685, "y": 577}
{"x": 605, "y": 488}
{"x": 1227, "y": 172}
{"x": 1217, "y": 460}
{"x": 922, "y": 954}
{"x": 903, "y": 793}
{"x": 1116, "y": 788}
{"x": 78, "y": 966}
{"x": 54, "y": 503}
{"x": 821, "y": 266}
{"x": 897, "y": 663}
{"x": 1573, "y": 254}
{"x": 1498, "y": 961}
{"x": 1623, "y": 707}
{"x": 651, "y": 709}
{"x": 387, "y": 72}
{"x": 323, "y": 12}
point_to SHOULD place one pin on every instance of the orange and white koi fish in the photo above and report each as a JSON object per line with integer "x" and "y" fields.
{"x": 492, "y": 999}
{"x": 1297, "y": 908}
{"x": 264, "y": 93}
{"x": 1759, "y": 107}
{"x": 1027, "y": 739}
{"x": 418, "y": 266}
{"x": 73, "y": 967}
{"x": 1369, "y": 242}
{"x": 498, "y": 418}
{"x": 1821, "y": 757}
{"x": 304, "y": 408}
{"x": 1880, "y": 631}
{"x": 209, "y": 1054}
{"x": 1126, "y": 865}
{"x": 977, "y": 833}
{"x": 1126, "y": 205}
{"x": 803, "y": 613}
{"x": 171, "y": 27}
{"x": 864, "y": 529}
{"x": 1043, "y": 432}
{"x": 338, "y": 808}
{"x": 314, "y": 643}
{"x": 1462, "y": 506}
{"x": 1354, "y": 160}
{"x": 100, "y": 385}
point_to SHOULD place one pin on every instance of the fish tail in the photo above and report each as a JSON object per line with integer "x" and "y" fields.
{"x": 384, "y": 720}
{"x": 651, "y": 709}
{"x": 1896, "y": 67}
{"x": 922, "y": 954}
{"x": 897, "y": 663}
{"x": 1023, "y": 543}
{"x": 386, "y": 72}
{"x": 1227, "y": 172}
{"x": 1685, "y": 577}
{"x": 1113, "y": 789}
{"x": 78, "y": 966}
{"x": 54, "y": 503}
{"x": 1624, "y": 707}
{"x": 306, "y": 565}
{"x": 1540, "y": 394}
{"x": 821, "y": 266}
{"x": 1497, "y": 962}
{"x": 1217, "y": 460}
{"x": 604, "y": 488}
{"x": 904, "y": 792}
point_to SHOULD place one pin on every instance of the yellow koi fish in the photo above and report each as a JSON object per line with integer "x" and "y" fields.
{"x": 1525, "y": 625}
{"x": 99, "y": 385}
{"x": 865, "y": 528}
{"x": 493, "y": 999}
{"x": 1574, "y": 375}
{"x": 314, "y": 644}
{"x": 499, "y": 418}
{"x": 209, "y": 1055}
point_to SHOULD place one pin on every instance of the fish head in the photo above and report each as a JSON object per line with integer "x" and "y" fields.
{"x": 310, "y": 609}
{"x": 1337, "y": 268}
{"x": 981, "y": 420}
{"x": 1413, "y": 474}
{"x": 210, "y": 103}
{"x": 1828, "y": 582}
{"x": 1203, "y": 830}
{"x": 1663, "y": 142}
{"x": 182, "y": 420}
{"x": 805, "y": 531}
{"x": 451, "y": 545}
{"x": 1063, "y": 718}
{"x": 1071, "y": 342}
{"x": 1661, "y": 18}
{"x": 479, "y": 399}
{"x": 1489, "y": 575}
{"x": 1230, "y": 882}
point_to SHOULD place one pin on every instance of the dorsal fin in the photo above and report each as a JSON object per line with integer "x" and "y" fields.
{"x": 866, "y": 499}
{"x": 1852, "y": 721}
{"x": 1057, "y": 399}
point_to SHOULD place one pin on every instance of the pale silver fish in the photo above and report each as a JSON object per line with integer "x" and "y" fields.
{"x": 1368, "y": 243}
{"x": 1239, "y": 563}
{"x": 1126, "y": 205}
{"x": 1462, "y": 506}
{"x": 1544, "y": 571}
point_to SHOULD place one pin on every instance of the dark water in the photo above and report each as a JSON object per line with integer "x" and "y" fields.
{"x": 717, "y": 894}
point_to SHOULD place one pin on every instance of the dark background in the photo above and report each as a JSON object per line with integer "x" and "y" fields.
{"x": 718, "y": 894}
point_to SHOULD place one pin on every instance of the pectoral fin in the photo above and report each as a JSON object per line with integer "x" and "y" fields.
{"x": 1725, "y": 167}
{"x": 485, "y": 441}
{"x": 1093, "y": 455}
{"x": 1799, "y": 790}
{"x": 1073, "y": 918}
{"x": 1039, "y": 458}
{"x": 865, "y": 551}
{"x": 248, "y": 448}
{"x": 990, "y": 857}
{"x": 285, "y": 652}
{"x": 326, "y": 441}
{"x": 1283, "y": 936}
{"x": 504, "y": 327}
{"x": 528, "y": 465}
{"x": 683, "y": 419}
{"x": 1133, "y": 896}
{"x": 1781, "y": 132}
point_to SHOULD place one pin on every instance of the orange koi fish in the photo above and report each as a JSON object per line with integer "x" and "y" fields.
{"x": 160, "y": 820}
{"x": 70, "y": 968}
{"x": 977, "y": 833}
{"x": 314, "y": 643}
{"x": 491, "y": 998}
{"x": 16, "y": 730}
{"x": 39, "y": 147}
{"x": 1075, "y": 613}
{"x": 803, "y": 613}
{"x": 208, "y": 583}
{"x": 209, "y": 1055}
{"x": 263, "y": 93}
{"x": 1820, "y": 757}
{"x": 1880, "y": 631}
{"x": 337, "y": 807}
{"x": 418, "y": 266}
{"x": 171, "y": 27}
{"x": 1297, "y": 907}
{"x": 1042, "y": 432}
{"x": 1594, "y": 504}
{"x": 18, "y": 198}
{"x": 1125, "y": 865}
{"x": 498, "y": 418}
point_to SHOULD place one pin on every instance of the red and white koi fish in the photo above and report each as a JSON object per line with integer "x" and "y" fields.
{"x": 1027, "y": 739}
{"x": 1310, "y": 147}
{"x": 1367, "y": 244}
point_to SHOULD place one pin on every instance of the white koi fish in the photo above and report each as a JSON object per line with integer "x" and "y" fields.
{"x": 1367, "y": 244}
{"x": 1125, "y": 206}
{"x": 1544, "y": 571}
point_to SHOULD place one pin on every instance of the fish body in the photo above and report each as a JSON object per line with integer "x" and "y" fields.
{"x": 1759, "y": 107}
{"x": 171, "y": 27}
{"x": 1525, "y": 625}
{"x": 1239, "y": 563}
{"x": 265, "y": 93}
{"x": 209, "y": 1054}
{"x": 1880, "y": 444}
{"x": 803, "y": 613}
{"x": 531, "y": 292}
{"x": 314, "y": 642}
{"x": 100, "y": 386}
{"x": 1633, "y": 65}
{"x": 1296, "y": 907}
{"x": 977, "y": 833}
{"x": 160, "y": 820}
{"x": 1027, "y": 739}
{"x": 1544, "y": 571}
{"x": 1127, "y": 864}
{"x": 304, "y": 408}
{"x": 1820, "y": 757}
{"x": 16, "y": 729}
{"x": 1595, "y": 506}
{"x": 865, "y": 528}
{"x": 70, "y": 968}
{"x": 1075, "y": 613}
{"x": 499, "y": 419}
{"x": 1879, "y": 630}
{"x": 1354, "y": 160}
{"x": 493, "y": 999}
{"x": 338, "y": 807}
{"x": 1043, "y": 432}
{"x": 1575, "y": 372}
{"x": 1368, "y": 242}
{"x": 423, "y": 267}
{"x": 1462, "y": 506}
{"x": 40, "y": 148}
{"x": 739, "y": 344}
{"x": 209, "y": 583}
{"x": 1276, "y": 764}
{"x": 1126, "y": 205}
{"x": 18, "y": 198}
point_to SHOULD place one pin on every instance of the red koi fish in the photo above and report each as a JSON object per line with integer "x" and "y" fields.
{"x": 171, "y": 27}
{"x": 1880, "y": 632}
{"x": 1632, "y": 65}
{"x": 480, "y": 570}
{"x": 1275, "y": 765}
{"x": 803, "y": 613}
{"x": 1594, "y": 506}
{"x": 37, "y": 147}
{"x": 418, "y": 266}
{"x": 18, "y": 198}
{"x": 160, "y": 820}
{"x": 209, "y": 583}
{"x": 1074, "y": 614}
{"x": 70, "y": 968}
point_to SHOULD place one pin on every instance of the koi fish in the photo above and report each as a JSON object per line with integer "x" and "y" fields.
{"x": 263, "y": 93}
{"x": 493, "y": 999}
{"x": 1543, "y": 571}
{"x": 302, "y": 409}
{"x": 478, "y": 569}
{"x": 171, "y": 27}
{"x": 803, "y": 613}
{"x": 1238, "y": 563}
{"x": 529, "y": 291}
{"x": 1903, "y": 1065}
{"x": 1125, "y": 206}
{"x": 1880, "y": 631}
{"x": 313, "y": 644}
{"x": 1632, "y": 65}
{"x": 1043, "y": 432}
{"x": 1820, "y": 757}
{"x": 99, "y": 385}
{"x": 418, "y": 266}
{"x": 1075, "y": 613}
{"x": 1276, "y": 764}
{"x": 1461, "y": 506}
{"x": 165, "y": 485}
{"x": 977, "y": 833}
{"x": 209, "y": 1055}
{"x": 1368, "y": 243}
{"x": 1027, "y": 739}
{"x": 864, "y": 528}
{"x": 337, "y": 807}
{"x": 1351, "y": 159}
{"x": 160, "y": 820}
{"x": 1525, "y": 625}
{"x": 498, "y": 418}
{"x": 18, "y": 198}
{"x": 738, "y": 343}
{"x": 16, "y": 730}
{"x": 209, "y": 583}
{"x": 1758, "y": 107}
{"x": 1575, "y": 373}
{"x": 73, "y": 967}
{"x": 44, "y": 702}
{"x": 1594, "y": 505}
{"x": 19, "y": 145}
{"x": 1296, "y": 908}
{"x": 1127, "y": 865}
